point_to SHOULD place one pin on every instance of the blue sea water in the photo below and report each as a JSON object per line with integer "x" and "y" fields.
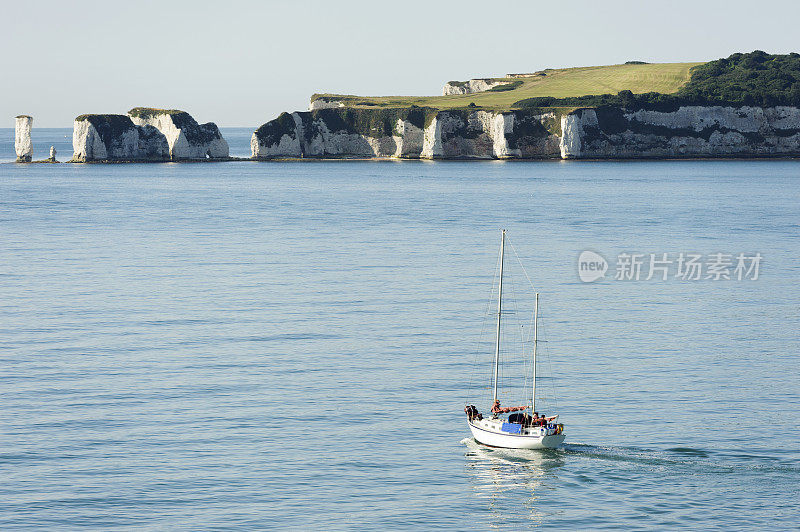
{"x": 288, "y": 345}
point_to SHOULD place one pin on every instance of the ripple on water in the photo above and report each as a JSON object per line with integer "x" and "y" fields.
{"x": 285, "y": 345}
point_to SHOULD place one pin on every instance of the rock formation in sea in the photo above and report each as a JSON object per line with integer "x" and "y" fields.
{"x": 116, "y": 138}
{"x": 146, "y": 134}
{"x": 186, "y": 138}
{"x": 22, "y": 138}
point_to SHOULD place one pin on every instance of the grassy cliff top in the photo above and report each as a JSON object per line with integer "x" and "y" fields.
{"x": 664, "y": 78}
{"x": 144, "y": 112}
{"x": 95, "y": 117}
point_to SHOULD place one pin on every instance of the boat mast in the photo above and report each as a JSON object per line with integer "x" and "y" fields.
{"x": 499, "y": 310}
{"x": 535, "y": 342}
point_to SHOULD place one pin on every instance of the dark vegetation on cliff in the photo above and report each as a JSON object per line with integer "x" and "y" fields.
{"x": 611, "y": 120}
{"x": 371, "y": 122}
{"x": 149, "y": 112}
{"x": 754, "y": 79}
{"x": 510, "y": 86}
{"x": 528, "y": 128}
{"x": 109, "y": 127}
{"x": 196, "y": 133}
{"x": 272, "y": 131}
{"x": 113, "y": 128}
{"x": 376, "y": 123}
{"x": 382, "y": 122}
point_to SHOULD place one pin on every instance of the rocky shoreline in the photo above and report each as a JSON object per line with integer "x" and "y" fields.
{"x": 338, "y": 132}
{"x": 746, "y": 106}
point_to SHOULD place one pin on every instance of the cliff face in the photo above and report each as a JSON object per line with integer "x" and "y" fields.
{"x": 186, "y": 138}
{"x": 406, "y": 133}
{"x": 690, "y": 131}
{"x": 324, "y": 103}
{"x": 470, "y": 86}
{"x": 146, "y": 135}
{"x": 22, "y": 138}
{"x": 116, "y": 137}
{"x": 604, "y": 132}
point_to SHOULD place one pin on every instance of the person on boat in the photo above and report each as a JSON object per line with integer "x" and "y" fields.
{"x": 497, "y": 409}
{"x": 521, "y": 418}
{"x": 472, "y": 413}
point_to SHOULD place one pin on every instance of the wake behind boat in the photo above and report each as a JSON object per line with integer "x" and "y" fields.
{"x": 515, "y": 427}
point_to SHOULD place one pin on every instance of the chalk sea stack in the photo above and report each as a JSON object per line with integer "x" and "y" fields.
{"x": 146, "y": 134}
{"x": 22, "y": 138}
{"x": 116, "y": 138}
{"x": 186, "y": 138}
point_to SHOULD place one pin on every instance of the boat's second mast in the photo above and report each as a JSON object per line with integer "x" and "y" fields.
{"x": 499, "y": 310}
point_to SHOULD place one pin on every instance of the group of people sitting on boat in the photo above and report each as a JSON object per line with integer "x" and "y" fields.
{"x": 527, "y": 420}
{"x": 522, "y": 418}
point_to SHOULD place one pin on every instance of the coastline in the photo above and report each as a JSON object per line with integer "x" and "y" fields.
{"x": 425, "y": 161}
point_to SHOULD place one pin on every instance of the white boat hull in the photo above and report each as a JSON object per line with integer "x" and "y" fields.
{"x": 534, "y": 439}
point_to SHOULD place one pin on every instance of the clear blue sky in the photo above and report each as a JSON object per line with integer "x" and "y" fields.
{"x": 242, "y": 62}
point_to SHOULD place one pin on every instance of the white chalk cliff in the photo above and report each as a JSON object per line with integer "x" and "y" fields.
{"x": 689, "y": 131}
{"x": 470, "y": 86}
{"x": 572, "y": 132}
{"x": 185, "y": 137}
{"x": 611, "y": 132}
{"x": 405, "y": 133}
{"x": 116, "y": 138}
{"x": 22, "y": 138}
{"x": 324, "y": 103}
{"x": 146, "y": 134}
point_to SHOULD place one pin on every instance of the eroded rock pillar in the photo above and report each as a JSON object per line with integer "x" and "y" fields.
{"x": 22, "y": 138}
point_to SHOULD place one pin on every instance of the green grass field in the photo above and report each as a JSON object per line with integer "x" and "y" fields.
{"x": 666, "y": 78}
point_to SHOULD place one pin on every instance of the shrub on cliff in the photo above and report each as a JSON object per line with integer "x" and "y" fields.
{"x": 754, "y": 79}
{"x": 149, "y": 112}
{"x": 196, "y": 133}
{"x": 109, "y": 127}
{"x": 376, "y": 123}
{"x": 507, "y": 86}
{"x": 272, "y": 131}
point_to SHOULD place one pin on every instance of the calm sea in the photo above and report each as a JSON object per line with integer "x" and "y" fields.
{"x": 289, "y": 345}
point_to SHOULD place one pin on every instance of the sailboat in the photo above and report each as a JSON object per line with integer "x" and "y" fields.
{"x": 523, "y": 427}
